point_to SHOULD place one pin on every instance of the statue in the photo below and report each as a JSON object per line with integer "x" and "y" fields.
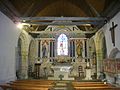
{"x": 79, "y": 48}
{"x": 44, "y": 49}
{"x": 46, "y": 68}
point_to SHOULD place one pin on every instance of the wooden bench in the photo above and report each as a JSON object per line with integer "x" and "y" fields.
{"x": 33, "y": 81}
{"x": 93, "y": 86}
{"x": 28, "y": 85}
{"x": 75, "y": 82}
{"x": 97, "y": 88}
{"x": 24, "y": 87}
{"x": 46, "y": 85}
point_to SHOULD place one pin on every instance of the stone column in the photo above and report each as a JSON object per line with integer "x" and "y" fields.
{"x": 55, "y": 47}
{"x": 99, "y": 62}
{"x": 85, "y": 49}
{"x": 41, "y": 49}
{"x": 69, "y": 48}
{"x": 75, "y": 49}
{"x": 48, "y": 49}
{"x": 24, "y": 65}
{"x": 51, "y": 48}
{"x": 36, "y": 48}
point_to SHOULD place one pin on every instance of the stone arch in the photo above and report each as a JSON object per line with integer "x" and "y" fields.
{"x": 31, "y": 57}
{"x": 23, "y": 58}
{"x": 101, "y": 50}
{"x": 92, "y": 55}
{"x": 92, "y": 48}
{"x": 115, "y": 53}
{"x": 18, "y": 59}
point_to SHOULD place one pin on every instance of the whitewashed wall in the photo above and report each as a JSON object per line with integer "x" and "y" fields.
{"x": 109, "y": 45}
{"x": 8, "y": 41}
{"x": 107, "y": 33}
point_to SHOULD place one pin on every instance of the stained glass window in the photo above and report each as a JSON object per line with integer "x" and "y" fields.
{"x": 62, "y": 45}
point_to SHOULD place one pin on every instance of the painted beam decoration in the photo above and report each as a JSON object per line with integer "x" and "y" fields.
{"x": 69, "y": 20}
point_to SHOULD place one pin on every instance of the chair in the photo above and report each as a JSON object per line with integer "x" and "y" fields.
{"x": 80, "y": 71}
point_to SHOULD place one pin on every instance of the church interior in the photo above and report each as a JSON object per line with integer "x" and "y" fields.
{"x": 59, "y": 44}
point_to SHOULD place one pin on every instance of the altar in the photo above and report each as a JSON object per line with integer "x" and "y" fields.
{"x": 61, "y": 72}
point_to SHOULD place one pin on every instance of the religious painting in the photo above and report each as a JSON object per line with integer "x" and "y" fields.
{"x": 79, "y": 48}
{"x": 44, "y": 49}
{"x": 62, "y": 45}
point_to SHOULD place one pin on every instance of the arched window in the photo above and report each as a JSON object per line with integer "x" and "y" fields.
{"x": 62, "y": 45}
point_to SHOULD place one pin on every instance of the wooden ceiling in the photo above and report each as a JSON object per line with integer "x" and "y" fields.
{"x": 15, "y": 9}
{"x": 69, "y": 8}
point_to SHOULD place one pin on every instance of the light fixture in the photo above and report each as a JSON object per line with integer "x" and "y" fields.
{"x": 19, "y": 25}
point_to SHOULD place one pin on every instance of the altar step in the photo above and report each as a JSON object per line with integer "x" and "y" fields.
{"x": 62, "y": 85}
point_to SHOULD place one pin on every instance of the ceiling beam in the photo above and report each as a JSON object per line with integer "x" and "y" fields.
{"x": 50, "y": 32}
{"x": 62, "y": 18}
{"x": 30, "y": 9}
{"x": 7, "y": 8}
{"x": 9, "y": 5}
{"x": 93, "y": 9}
{"x": 112, "y": 9}
{"x": 60, "y": 23}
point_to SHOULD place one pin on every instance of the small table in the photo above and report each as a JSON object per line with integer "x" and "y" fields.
{"x": 63, "y": 70}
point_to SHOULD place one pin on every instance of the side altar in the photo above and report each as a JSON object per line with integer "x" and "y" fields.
{"x": 61, "y": 71}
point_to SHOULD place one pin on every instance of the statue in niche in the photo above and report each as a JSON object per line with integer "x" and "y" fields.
{"x": 45, "y": 49}
{"x": 79, "y": 48}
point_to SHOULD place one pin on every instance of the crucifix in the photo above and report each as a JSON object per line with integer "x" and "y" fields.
{"x": 113, "y": 32}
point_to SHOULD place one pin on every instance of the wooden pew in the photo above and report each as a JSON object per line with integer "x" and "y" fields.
{"x": 28, "y": 85}
{"x": 33, "y": 81}
{"x": 46, "y": 84}
{"x": 23, "y": 87}
{"x": 75, "y": 82}
{"x": 93, "y": 86}
{"x": 96, "y": 88}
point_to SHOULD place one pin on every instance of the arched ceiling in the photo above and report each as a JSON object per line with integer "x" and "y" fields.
{"x": 64, "y": 7}
{"x": 58, "y": 8}
{"x": 61, "y": 9}
{"x": 15, "y": 9}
